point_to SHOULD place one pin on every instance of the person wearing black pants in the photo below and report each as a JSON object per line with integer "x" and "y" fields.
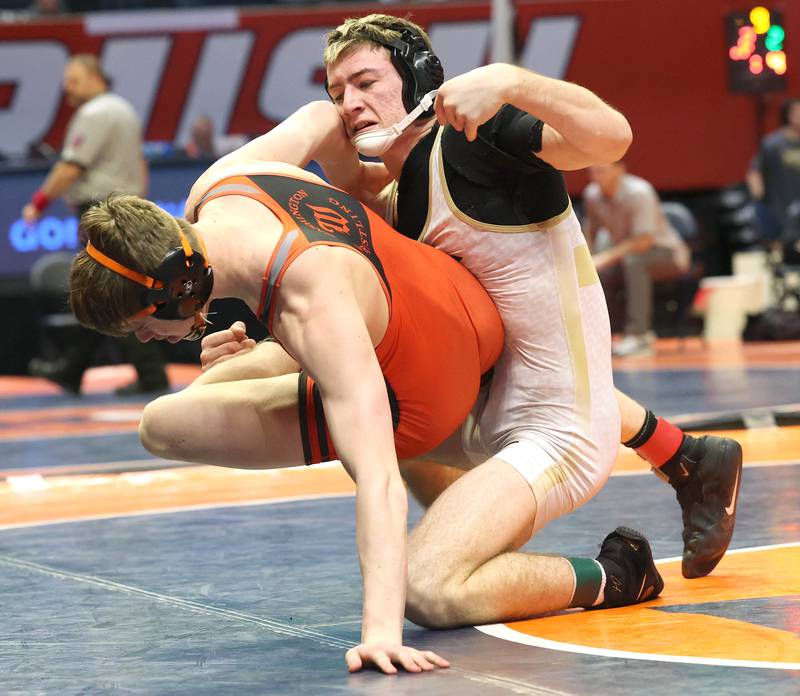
{"x": 102, "y": 154}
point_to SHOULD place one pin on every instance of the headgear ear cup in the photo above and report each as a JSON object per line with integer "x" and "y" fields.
{"x": 420, "y": 68}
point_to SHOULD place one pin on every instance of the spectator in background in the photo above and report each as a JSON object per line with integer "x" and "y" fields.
{"x": 634, "y": 246}
{"x": 774, "y": 181}
{"x": 201, "y": 143}
{"x": 46, "y": 8}
{"x": 102, "y": 154}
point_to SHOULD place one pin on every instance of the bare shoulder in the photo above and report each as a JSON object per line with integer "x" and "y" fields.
{"x": 230, "y": 166}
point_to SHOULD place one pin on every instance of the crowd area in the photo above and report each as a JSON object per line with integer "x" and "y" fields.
{"x": 49, "y": 8}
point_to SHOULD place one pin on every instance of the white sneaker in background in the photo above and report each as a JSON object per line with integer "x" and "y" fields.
{"x": 630, "y": 345}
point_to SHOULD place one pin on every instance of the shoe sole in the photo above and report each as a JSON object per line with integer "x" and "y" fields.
{"x": 691, "y": 567}
{"x": 652, "y": 571}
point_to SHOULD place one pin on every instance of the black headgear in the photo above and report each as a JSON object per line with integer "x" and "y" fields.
{"x": 419, "y": 67}
{"x": 178, "y": 289}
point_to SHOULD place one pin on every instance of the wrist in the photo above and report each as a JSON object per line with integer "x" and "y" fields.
{"x": 381, "y": 636}
{"x": 515, "y": 83}
{"x": 40, "y": 201}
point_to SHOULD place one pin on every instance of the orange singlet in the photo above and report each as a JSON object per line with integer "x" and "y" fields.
{"x": 443, "y": 333}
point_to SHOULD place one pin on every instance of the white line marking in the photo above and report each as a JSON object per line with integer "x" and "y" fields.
{"x": 515, "y": 685}
{"x": 270, "y": 624}
{"x": 503, "y": 632}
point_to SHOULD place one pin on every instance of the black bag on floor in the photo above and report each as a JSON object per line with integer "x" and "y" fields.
{"x": 773, "y": 325}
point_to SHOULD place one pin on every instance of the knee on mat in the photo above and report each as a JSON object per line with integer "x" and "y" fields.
{"x": 155, "y": 432}
{"x": 431, "y": 603}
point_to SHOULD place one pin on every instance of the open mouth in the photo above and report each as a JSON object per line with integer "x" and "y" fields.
{"x": 363, "y": 126}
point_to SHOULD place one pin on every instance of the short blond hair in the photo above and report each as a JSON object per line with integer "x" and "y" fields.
{"x": 373, "y": 30}
{"x": 133, "y": 232}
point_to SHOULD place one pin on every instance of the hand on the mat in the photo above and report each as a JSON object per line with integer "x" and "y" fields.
{"x": 385, "y": 655}
{"x": 224, "y": 345}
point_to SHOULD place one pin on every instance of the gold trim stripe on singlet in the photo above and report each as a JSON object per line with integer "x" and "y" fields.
{"x": 569, "y": 299}
{"x": 503, "y": 229}
{"x": 584, "y": 267}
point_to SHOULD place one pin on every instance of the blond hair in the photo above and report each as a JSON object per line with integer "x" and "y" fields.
{"x": 133, "y": 232}
{"x": 373, "y": 30}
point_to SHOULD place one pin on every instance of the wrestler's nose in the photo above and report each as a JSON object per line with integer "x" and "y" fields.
{"x": 352, "y": 102}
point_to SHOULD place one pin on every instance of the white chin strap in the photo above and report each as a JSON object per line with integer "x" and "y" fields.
{"x": 375, "y": 143}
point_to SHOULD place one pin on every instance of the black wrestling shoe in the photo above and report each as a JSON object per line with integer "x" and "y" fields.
{"x": 707, "y": 496}
{"x": 631, "y": 574}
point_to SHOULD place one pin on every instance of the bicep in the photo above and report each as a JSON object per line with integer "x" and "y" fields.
{"x": 322, "y": 326}
{"x": 559, "y": 153}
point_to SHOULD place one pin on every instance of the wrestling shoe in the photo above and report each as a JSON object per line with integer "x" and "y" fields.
{"x": 631, "y": 574}
{"x": 706, "y": 480}
{"x": 634, "y": 345}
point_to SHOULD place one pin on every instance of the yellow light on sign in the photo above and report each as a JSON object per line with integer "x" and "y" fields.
{"x": 760, "y": 19}
{"x": 776, "y": 60}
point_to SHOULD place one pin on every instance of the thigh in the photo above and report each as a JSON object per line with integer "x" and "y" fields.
{"x": 426, "y": 479}
{"x": 250, "y": 423}
{"x": 487, "y": 511}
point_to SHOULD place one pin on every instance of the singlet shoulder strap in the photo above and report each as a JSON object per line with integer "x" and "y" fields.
{"x": 243, "y": 185}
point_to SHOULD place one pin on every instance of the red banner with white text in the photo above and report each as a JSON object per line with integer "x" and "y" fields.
{"x": 663, "y": 64}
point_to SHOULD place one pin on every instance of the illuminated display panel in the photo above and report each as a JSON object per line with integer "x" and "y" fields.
{"x": 757, "y": 59}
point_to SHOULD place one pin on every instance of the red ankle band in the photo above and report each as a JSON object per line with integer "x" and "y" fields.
{"x": 662, "y": 444}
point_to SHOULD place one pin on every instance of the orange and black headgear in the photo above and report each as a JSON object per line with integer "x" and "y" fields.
{"x": 178, "y": 288}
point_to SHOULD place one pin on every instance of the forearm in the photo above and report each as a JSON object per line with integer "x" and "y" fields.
{"x": 755, "y": 184}
{"x": 310, "y": 133}
{"x": 61, "y": 177}
{"x": 577, "y": 115}
{"x": 610, "y": 257}
{"x": 381, "y": 518}
{"x": 267, "y": 359}
{"x": 613, "y": 255}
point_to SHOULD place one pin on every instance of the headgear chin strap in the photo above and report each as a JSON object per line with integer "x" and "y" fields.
{"x": 374, "y": 143}
{"x": 178, "y": 289}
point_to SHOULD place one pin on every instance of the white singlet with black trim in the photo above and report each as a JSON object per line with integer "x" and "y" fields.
{"x": 550, "y": 410}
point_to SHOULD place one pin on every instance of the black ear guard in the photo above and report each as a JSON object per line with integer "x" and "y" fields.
{"x": 186, "y": 285}
{"x": 420, "y": 68}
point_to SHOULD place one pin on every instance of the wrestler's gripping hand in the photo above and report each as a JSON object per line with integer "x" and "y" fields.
{"x": 384, "y": 656}
{"x": 469, "y": 100}
{"x": 224, "y": 345}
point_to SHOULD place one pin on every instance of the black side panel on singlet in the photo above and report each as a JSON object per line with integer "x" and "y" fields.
{"x": 412, "y": 189}
{"x": 323, "y": 214}
{"x": 496, "y": 179}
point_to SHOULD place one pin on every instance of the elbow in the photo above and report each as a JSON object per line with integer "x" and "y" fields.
{"x": 620, "y": 140}
{"x": 388, "y": 492}
{"x": 397, "y": 495}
